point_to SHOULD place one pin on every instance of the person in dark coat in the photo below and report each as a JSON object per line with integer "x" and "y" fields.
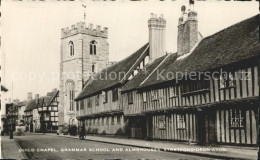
{"x": 82, "y": 132}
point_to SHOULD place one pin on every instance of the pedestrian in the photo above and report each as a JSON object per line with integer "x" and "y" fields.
{"x": 43, "y": 128}
{"x": 82, "y": 132}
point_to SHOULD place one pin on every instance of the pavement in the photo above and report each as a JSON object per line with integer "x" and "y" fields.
{"x": 220, "y": 152}
{"x": 10, "y": 149}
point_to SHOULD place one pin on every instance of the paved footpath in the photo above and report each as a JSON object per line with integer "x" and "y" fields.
{"x": 10, "y": 149}
{"x": 222, "y": 152}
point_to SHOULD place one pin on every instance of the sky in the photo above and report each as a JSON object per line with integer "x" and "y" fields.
{"x": 31, "y": 33}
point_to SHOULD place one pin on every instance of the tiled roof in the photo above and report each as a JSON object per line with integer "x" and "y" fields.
{"x": 23, "y": 103}
{"x": 102, "y": 80}
{"x": 142, "y": 75}
{"x": 32, "y": 104}
{"x": 47, "y": 99}
{"x": 236, "y": 43}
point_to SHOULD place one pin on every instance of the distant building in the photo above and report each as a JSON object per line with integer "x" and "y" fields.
{"x": 47, "y": 107}
{"x": 21, "y": 107}
{"x": 3, "y": 106}
{"x": 41, "y": 113}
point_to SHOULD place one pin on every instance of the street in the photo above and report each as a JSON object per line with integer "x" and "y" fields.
{"x": 54, "y": 147}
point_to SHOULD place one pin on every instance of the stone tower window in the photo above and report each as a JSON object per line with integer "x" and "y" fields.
{"x": 71, "y": 48}
{"x": 70, "y": 93}
{"x": 93, "y": 68}
{"x": 93, "y": 47}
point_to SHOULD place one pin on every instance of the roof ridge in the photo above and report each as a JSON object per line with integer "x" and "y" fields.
{"x": 222, "y": 30}
{"x": 104, "y": 69}
{"x": 155, "y": 69}
{"x": 135, "y": 63}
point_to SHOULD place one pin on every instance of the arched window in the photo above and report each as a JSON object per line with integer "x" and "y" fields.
{"x": 93, "y": 48}
{"x": 71, "y": 48}
{"x": 93, "y": 68}
{"x": 70, "y": 87}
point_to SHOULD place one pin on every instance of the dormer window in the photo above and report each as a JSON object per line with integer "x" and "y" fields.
{"x": 93, "y": 48}
{"x": 71, "y": 48}
{"x": 130, "y": 97}
{"x": 104, "y": 95}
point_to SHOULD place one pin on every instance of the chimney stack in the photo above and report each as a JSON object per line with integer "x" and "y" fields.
{"x": 36, "y": 97}
{"x": 187, "y": 32}
{"x": 29, "y": 96}
{"x": 156, "y": 37}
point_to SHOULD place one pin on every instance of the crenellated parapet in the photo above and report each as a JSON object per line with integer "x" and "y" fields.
{"x": 80, "y": 28}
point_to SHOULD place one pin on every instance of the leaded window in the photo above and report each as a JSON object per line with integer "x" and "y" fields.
{"x": 226, "y": 79}
{"x": 154, "y": 94}
{"x": 130, "y": 97}
{"x": 173, "y": 91}
{"x": 162, "y": 122}
{"x": 144, "y": 97}
{"x": 237, "y": 118}
{"x": 115, "y": 94}
{"x": 181, "y": 121}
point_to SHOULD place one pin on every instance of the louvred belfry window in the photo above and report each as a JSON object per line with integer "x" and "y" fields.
{"x": 71, "y": 48}
{"x": 93, "y": 48}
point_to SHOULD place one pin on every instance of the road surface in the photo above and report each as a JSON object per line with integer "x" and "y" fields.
{"x": 55, "y": 147}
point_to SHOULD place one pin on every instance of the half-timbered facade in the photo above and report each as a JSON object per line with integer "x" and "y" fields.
{"x": 206, "y": 92}
{"x": 31, "y": 116}
{"x": 98, "y": 105}
{"x": 47, "y": 107}
{"x": 207, "y": 95}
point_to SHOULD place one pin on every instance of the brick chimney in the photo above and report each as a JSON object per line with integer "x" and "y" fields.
{"x": 29, "y": 96}
{"x": 156, "y": 37}
{"x": 187, "y": 32}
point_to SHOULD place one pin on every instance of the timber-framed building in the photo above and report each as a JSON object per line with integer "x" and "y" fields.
{"x": 218, "y": 104}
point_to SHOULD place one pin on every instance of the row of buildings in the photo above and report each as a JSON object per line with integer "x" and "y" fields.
{"x": 206, "y": 92}
{"x": 38, "y": 114}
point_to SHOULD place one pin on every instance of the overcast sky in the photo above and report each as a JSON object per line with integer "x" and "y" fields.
{"x": 31, "y": 32}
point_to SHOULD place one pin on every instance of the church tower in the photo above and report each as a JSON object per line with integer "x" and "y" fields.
{"x": 83, "y": 52}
